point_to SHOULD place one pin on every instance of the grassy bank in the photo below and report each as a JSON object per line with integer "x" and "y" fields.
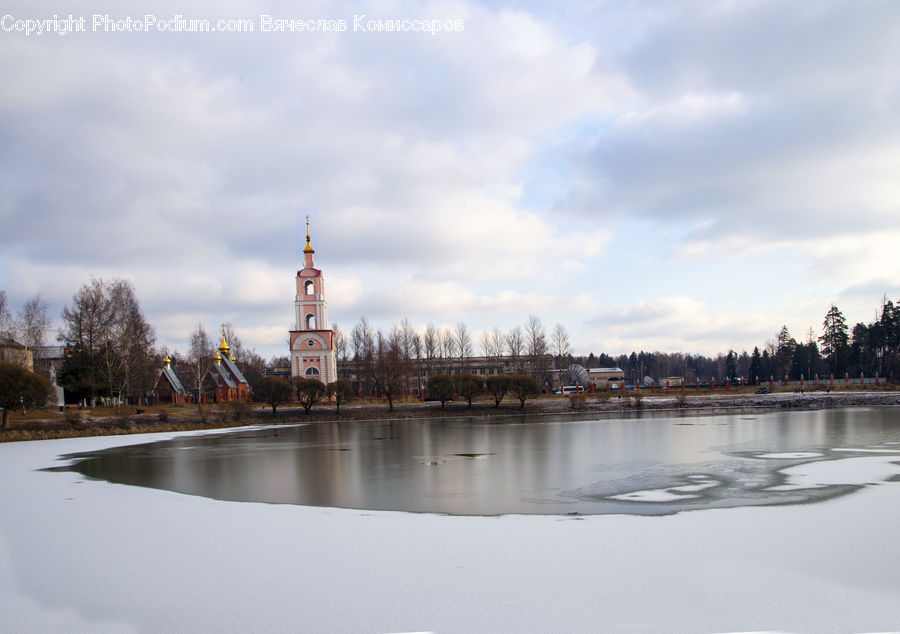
{"x": 105, "y": 421}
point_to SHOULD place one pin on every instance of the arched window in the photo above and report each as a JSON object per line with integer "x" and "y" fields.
{"x": 310, "y": 322}
{"x": 312, "y": 371}
{"x": 309, "y": 287}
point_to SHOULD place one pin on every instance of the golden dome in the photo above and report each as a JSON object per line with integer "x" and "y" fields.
{"x": 308, "y": 248}
{"x": 224, "y": 348}
{"x": 218, "y": 358}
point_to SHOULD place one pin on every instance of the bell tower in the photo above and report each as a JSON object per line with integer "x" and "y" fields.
{"x": 312, "y": 341}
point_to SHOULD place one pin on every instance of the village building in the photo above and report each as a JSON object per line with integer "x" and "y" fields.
{"x": 12, "y": 351}
{"x": 230, "y": 384}
{"x": 168, "y": 388}
{"x": 605, "y": 378}
{"x": 311, "y": 340}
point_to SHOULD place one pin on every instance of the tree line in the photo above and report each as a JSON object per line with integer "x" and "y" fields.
{"x": 384, "y": 361}
{"x": 112, "y": 350}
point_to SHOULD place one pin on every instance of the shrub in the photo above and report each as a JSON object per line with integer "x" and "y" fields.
{"x": 577, "y": 402}
{"x": 681, "y": 400}
{"x": 341, "y": 391}
{"x": 273, "y": 390}
{"x": 239, "y": 410}
{"x": 497, "y": 387}
{"x": 20, "y": 388}
{"x": 522, "y": 386}
{"x": 440, "y": 388}
{"x": 309, "y": 391}
{"x": 73, "y": 417}
{"x": 467, "y": 386}
{"x": 163, "y": 416}
{"x": 638, "y": 400}
{"x": 121, "y": 413}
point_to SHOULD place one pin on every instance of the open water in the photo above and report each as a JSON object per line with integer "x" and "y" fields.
{"x": 647, "y": 464}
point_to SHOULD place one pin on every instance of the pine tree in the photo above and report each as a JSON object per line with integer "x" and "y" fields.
{"x": 756, "y": 369}
{"x": 835, "y": 339}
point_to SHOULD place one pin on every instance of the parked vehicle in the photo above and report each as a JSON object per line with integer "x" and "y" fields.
{"x": 763, "y": 390}
{"x": 568, "y": 389}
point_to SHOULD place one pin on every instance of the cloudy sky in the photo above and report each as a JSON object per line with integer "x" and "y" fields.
{"x": 676, "y": 176}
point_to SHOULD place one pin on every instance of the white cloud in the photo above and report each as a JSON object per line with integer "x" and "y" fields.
{"x": 483, "y": 175}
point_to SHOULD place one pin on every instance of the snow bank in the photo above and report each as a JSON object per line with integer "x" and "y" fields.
{"x": 79, "y": 555}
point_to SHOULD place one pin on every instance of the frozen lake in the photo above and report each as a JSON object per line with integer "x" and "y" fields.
{"x": 647, "y": 465}
{"x": 81, "y": 554}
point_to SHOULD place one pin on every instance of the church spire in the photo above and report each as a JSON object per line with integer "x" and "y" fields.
{"x": 308, "y": 248}
{"x": 224, "y": 348}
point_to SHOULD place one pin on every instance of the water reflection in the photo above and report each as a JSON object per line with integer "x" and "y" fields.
{"x": 648, "y": 465}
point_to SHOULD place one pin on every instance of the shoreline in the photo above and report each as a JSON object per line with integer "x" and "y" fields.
{"x": 106, "y": 422}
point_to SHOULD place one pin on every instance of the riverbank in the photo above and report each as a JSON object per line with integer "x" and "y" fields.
{"x": 44, "y": 424}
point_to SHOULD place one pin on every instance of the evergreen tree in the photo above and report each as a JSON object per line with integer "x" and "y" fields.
{"x": 731, "y": 366}
{"x": 786, "y": 346}
{"x": 835, "y": 340}
{"x": 756, "y": 370}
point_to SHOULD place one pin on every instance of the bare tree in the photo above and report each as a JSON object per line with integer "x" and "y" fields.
{"x": 560, "y": 343}
{"x": 5, "y": 316}
{"x": 463, "y": 341}
{"x": 431, "y": 343}
{"x": 498, "y": 342}
{"x": 391, "y": 366}
{"x": 249, "y": 362}
{"x": 448, "y": 343}
{"x": 202, "y": 358}
{"x": 515, "y": 342}
{"x": 340, "y": 344}
{"x": 486, "y": 344}
{"x": 536, "y": 344}
{"x": 407, "y": 339}
{"x": 33, "y": 322}
{"x": 362, "y": 340}
{"x": 86, "y": 328}
{"x": 132, "y": 338}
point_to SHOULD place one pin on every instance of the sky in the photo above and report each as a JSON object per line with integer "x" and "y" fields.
{"x": 673, "y": 176}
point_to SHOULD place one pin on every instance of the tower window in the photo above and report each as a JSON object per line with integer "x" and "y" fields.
{"x": 312, "y": 371}
{"x": 310, "y": 321}
{"x": 309, "y": 287}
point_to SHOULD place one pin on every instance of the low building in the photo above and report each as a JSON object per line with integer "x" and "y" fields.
{"x": 168, "y": 388}
{"x": 48, "y": 361}
{"x": 606, "y": 378}
{"x": 230, "y": 384}
{"x": 13, "y": 352}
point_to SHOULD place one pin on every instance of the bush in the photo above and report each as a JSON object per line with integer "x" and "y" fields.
{"x": 522, "y": 386}
{"x": 309, "y": 391}
{"x": 163, "y": 416}
{"x": 122, "y": 413}
{"x": 440, "y": 388}
{"x": 577, "y": 402}
{"x": 497, "y": 387}
{"x": 73, "y": 417}
{"x": 638, "y": 400}
{"x": 681, "y": 400}
{"x": 467, "y": 386}
{"x": 341, "y": 391}
{"x": 273, "y": 390}
{"x": 239, "y": 410}
{"x": 20, "y": 388}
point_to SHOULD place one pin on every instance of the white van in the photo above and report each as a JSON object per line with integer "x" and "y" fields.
{"x": 569, "y": 389}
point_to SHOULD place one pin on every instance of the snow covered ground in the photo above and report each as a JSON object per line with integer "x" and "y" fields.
{"x": 81, "y": 555}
